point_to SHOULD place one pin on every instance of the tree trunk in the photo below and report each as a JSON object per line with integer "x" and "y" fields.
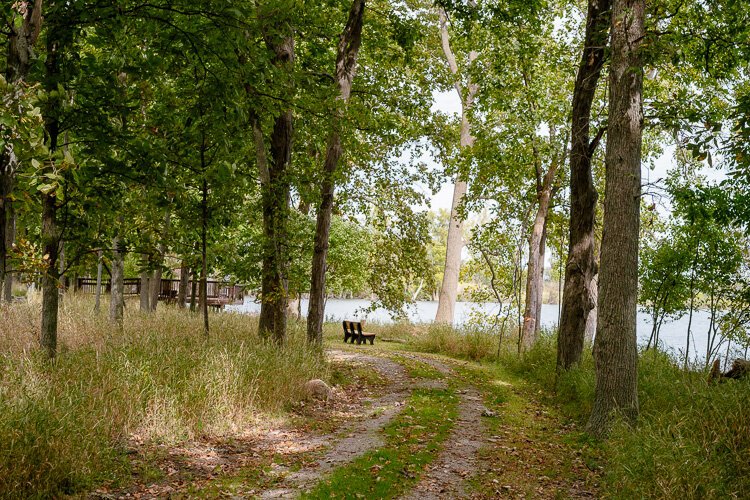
{"x": 540, "y": 298}
{"x": 534, "y": 276}
{"x": 154, "y": 289}
{"x": 346, "y": 67}
{"x": 275, "y": 194}
{"x": 7, "y": 223}
{"x": 592, "y": 318}
{"x": 615, "y": 350}
{"x": 581, "y": 265}
{"x": 98, "y": 291}
{"x": 193, "y": 291}
{"x": 63, "y": 279}
{"x": 50, "y": 280}
{"x": 204, "y": 262}
{"x": 449, "y": 288}
{"x": 182, "y": 289}
{"x": 117, "y": 285}
{"x": 10, "y": 239}
{"x": 156, "y": 285}
{"x": 145, "y": 292}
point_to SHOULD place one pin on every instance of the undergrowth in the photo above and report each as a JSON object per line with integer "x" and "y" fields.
{"x": 66, "y": 426}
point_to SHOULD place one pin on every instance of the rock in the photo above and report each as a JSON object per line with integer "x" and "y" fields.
{"x": 317, "y": 389}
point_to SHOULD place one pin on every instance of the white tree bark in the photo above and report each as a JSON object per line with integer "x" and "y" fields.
{"x": 449, "y": 288}
{"x": 591, "y": 319}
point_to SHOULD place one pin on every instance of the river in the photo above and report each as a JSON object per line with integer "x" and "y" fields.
{"x": 672, "y": 335}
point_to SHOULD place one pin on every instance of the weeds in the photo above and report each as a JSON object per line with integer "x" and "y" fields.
{"x": 692, "y": 439}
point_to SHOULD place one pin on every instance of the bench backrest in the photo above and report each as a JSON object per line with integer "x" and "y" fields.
{"x": 353, "y": 326}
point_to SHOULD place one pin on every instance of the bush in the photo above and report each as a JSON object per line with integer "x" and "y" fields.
{"x": 65, "y": 426}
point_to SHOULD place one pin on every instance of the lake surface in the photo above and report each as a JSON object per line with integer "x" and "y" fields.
{"x": 672, "y": 334}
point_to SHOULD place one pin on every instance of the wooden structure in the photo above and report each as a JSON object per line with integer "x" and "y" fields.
{"x": 219, "y": 293}
{"x": 353, "y": 331}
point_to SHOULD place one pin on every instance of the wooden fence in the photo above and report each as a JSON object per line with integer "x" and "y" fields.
{"x": 219, "y": 293}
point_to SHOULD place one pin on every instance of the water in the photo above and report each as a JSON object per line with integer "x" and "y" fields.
{"x": 672, "y": 334}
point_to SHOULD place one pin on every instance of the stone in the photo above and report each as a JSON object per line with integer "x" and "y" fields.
{"x": 317, "y": 389}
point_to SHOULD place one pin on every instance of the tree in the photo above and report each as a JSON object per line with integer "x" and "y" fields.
{"x": 454, "y": 243}
{"x": 615, "y": 349}
{"x": 275, "y": 193}
{"x": 24, "y": 24}
{"x": 581, "y": 268}
{"x": 346, "y": 66}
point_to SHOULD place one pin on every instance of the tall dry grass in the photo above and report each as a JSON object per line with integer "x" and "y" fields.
{"x": 64, "y": 426}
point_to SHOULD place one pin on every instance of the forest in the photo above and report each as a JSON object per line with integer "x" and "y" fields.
{"x": 538, "y": 211}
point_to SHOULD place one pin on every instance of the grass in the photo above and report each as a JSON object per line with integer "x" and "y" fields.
{"x": 67, "y": 426}
{"x": 692, "y": 439}
{"x": 413, "y": 440}
{"x": 458, "y": 343}
{"x": 534, "y": 451}
{"x": 417, "y": 369}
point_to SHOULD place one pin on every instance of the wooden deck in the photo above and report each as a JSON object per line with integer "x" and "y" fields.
{"x": 220, "y": 293}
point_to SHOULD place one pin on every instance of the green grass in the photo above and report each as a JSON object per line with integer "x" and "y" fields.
{"x": 413, "y": 440}
{"x": 530, "y": 449}
{"x": 418, "y": 369}
{"x": 458, "y": 343}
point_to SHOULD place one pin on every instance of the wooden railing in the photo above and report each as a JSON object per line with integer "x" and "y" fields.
{"x": 219, "y": 293}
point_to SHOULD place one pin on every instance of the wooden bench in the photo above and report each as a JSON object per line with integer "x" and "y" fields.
{"x": 353, "y": 331}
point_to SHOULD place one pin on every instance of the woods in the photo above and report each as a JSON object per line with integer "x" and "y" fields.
{"x": 554, "y": 191}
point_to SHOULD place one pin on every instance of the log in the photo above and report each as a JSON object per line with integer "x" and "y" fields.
{"x": 740, "y": 369}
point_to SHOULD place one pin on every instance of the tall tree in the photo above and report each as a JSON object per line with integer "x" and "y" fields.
{"x": 615, "y": 350}
{"x": 545, "y": 191}
{"x": 454, "y": 245}
{"x": 58, "y": 39}
{"x": 275, "y": 194}
{"x": 580, "y": 269}
{"x": 346, "y": 67}
{"x": 24, "y": 27}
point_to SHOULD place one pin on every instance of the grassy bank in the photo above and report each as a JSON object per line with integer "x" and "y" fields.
{"x": 692, "y": 439}
{"x": 68, "y": 425}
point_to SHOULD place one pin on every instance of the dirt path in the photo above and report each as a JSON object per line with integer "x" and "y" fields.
{"x": 285, "y": 461}
{"x": 445, "y": 477}
{"x": 362, "y": 436}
